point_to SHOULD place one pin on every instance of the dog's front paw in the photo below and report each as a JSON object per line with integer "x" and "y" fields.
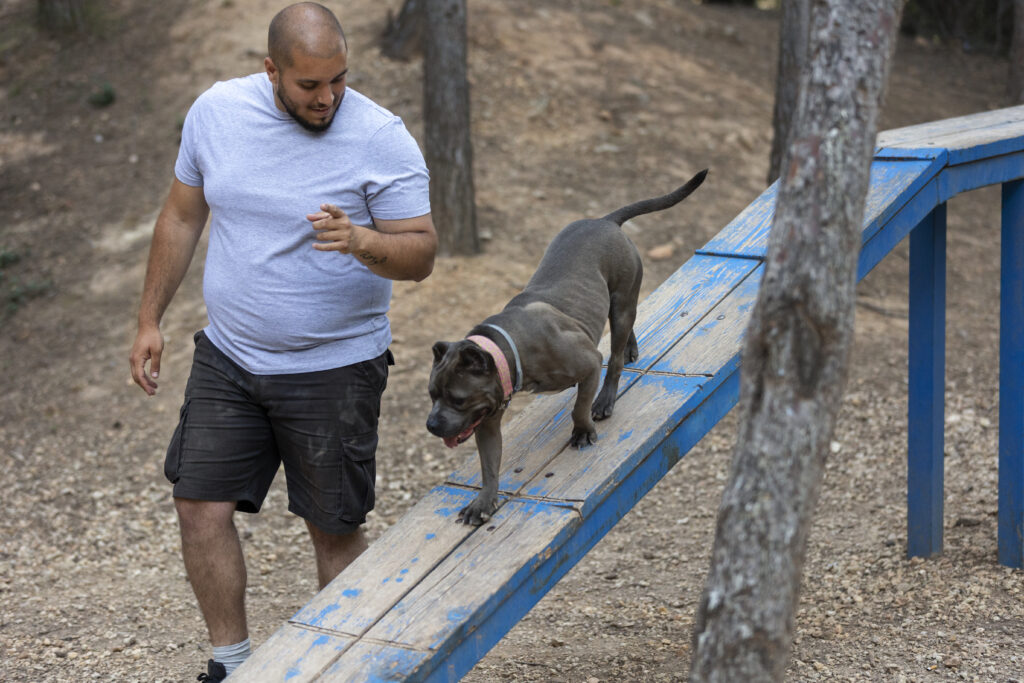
{"x": 583, "y": 437}
{"x": 478, "y": 512}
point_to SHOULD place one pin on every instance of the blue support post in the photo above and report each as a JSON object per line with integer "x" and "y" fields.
{"x": 1011, "y": 379}
{"x": 926, "y": 390}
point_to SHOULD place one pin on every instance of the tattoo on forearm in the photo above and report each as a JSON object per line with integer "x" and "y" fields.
{"x": 372, "y": 260}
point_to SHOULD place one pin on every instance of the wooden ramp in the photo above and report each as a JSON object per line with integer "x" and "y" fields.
{"x": 431, "y": 597}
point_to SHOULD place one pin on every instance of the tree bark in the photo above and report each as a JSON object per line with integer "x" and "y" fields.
{"x": 794, "y": 28}
{"x": 794, "y": 361}
{"x": 448, "y": 147}
{"x": 1015, "y": 84}
{"x": 403, "y": 35}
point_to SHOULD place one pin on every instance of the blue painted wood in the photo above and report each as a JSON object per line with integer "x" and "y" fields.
{"x": 966, "y": 138}
{"x": 926, "y": 389}
{"x": 898, "y": 227}
{"x": 893, "y": 183}
{"x": 957, "y": 179}
{"x": 1011, "y": 379}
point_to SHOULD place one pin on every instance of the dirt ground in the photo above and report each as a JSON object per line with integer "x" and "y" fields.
{"x": 578, "y": 107}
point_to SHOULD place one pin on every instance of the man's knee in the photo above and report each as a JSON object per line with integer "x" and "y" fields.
{"x": 198, "y": 517}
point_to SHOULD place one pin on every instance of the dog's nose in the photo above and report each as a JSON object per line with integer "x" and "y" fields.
{"x": 433, "y": 425}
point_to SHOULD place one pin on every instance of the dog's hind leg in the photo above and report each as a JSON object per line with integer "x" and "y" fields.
{"x": 624, "y": 349}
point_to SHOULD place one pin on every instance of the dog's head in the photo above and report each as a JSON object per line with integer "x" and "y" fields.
{"x": 465, "y": 389}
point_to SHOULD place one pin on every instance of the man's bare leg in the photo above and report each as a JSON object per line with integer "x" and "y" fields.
{"x": 334, "y": 552}
{"x": 215, "y": 566}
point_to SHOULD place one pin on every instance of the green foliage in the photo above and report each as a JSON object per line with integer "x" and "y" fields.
{"x": 102, "y": 95}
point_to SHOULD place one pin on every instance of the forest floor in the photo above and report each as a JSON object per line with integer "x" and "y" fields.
{"x": 578, "y": 108}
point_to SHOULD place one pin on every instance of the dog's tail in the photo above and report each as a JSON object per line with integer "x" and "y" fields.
{"x": 658, "y": 203}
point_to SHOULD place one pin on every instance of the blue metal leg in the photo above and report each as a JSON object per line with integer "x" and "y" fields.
{"x": 1011, "y": 379}
{"x": 926, "y": 390}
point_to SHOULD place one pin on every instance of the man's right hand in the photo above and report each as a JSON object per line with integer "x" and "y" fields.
{"x": 149, "y": 345}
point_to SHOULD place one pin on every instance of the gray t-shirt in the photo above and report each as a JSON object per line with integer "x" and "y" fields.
{"x": 275, "y": 304}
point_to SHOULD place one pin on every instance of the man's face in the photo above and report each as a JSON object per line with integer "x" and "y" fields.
{"x": 310, "y": 89}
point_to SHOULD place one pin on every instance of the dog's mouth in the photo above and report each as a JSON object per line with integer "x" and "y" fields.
{"x": 453, "y": 441}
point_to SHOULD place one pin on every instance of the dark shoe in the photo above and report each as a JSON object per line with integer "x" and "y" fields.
{"x": 215, "y": 672}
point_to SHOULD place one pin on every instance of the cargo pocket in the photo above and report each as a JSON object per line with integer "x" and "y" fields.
{"x": 358, "y": 473}
{"x": 172, "y": 462}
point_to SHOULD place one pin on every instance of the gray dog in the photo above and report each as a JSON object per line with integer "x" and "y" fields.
{"x": 546, "y": 339}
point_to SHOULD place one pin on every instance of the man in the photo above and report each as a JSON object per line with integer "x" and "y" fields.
{"x": 318, "y": 198}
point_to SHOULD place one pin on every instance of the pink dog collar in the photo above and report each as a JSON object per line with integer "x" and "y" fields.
{"x": 504, "y": 372}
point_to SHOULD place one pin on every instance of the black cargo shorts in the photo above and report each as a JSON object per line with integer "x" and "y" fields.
{"x": 236, "y": 429}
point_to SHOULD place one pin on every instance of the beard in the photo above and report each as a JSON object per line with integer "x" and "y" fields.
{"x": 292, "y": 111}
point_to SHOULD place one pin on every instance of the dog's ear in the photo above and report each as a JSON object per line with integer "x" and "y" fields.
{"x": 474, "y": 359}
{"x": 440, "y": 348}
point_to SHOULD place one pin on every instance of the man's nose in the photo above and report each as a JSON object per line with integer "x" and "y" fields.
{"x": 325, "y": 96}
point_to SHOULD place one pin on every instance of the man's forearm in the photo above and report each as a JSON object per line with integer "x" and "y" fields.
{"x": 170, "y": 254}
{"x": 397, "y": 256}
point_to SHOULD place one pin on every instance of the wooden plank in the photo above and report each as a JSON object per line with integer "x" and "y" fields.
{"x": 966, "y": 138}
{"x": 746, "y": 236}
{"x": 926, "y": 385}
{"x": 645, "y": 416}
{"x": 892, "y": 184}
{"x": 715, "y": 344}
{"x": 898, "y": 227}
{"x": 380, "y": 577}
{"x": 1011, "y": 378}
{"x": 449, "y": 603}
{"x": 368, "y": 661}
{"x": 293, "y": 654}
{"x": 681, "y": 302}
{"x": 957, "y": 179}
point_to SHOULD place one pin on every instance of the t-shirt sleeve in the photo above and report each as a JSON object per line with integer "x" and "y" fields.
{"x": 397, "y": 183}
{"x": 186, "y": 168}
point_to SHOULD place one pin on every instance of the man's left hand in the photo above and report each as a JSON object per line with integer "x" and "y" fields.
{"x": 334, "y": 230}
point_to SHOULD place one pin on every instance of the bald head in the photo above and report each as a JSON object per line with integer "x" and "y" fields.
{"x": 308, "y": 28}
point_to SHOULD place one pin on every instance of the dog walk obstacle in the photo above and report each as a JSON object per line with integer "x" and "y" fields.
{"x": 430, "y": 597}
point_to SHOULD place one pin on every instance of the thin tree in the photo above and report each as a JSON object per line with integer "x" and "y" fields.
{"x": 448, "y": 148}
{"x": 438, "y": 28}
{"x": 1015, "y": 83}
{"x": 794, "y": 27}
{"x": 794, "y": 362}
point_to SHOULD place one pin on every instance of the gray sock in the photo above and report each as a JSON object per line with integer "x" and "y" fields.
{"x": 231, "y": 656}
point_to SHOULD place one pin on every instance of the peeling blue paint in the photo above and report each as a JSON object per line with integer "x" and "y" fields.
{"x": 292, "y": 673}
{"x": 431, "y": 537}
{"x": 351, "y": 593}
{"x": 323, "y": 614}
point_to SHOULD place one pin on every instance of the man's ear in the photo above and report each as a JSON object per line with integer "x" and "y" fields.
{"x": 271, "y": 68}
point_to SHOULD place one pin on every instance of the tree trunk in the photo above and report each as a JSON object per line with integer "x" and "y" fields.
{"x": 62, "y": 15}
{"x": 794, "y": 28}
{"x": 1015, "y": 84}
{"x": 403, "y": 35}
{"x": 795, "y": 359}
{"x": 448, "y": 148}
